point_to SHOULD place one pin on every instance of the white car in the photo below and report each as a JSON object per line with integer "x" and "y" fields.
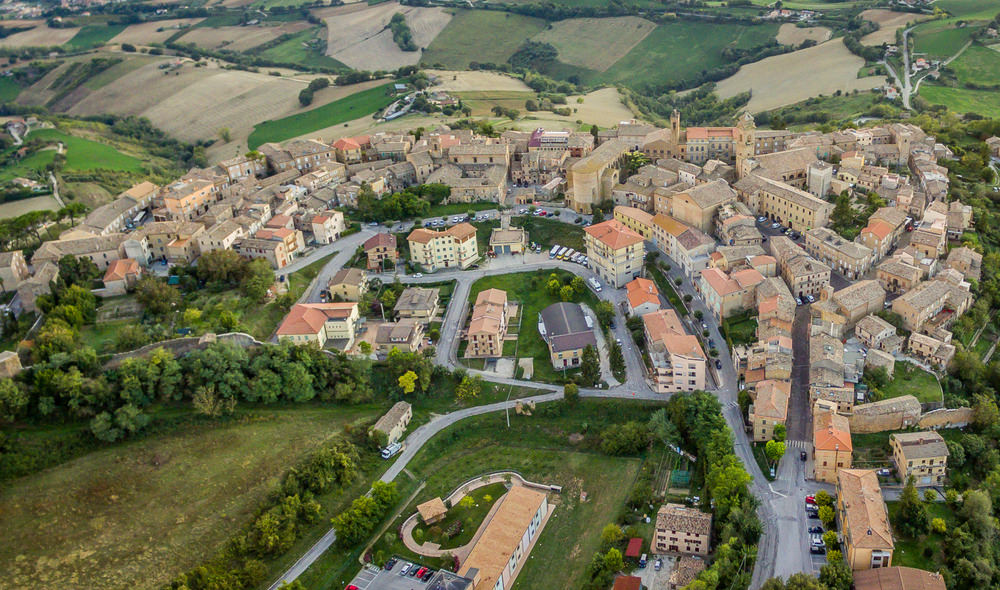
{"x": 418, "y": 275}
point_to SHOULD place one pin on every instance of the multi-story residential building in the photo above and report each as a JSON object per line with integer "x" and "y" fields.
{"x": 898, "y": 578}
{"x": 187, "y": 198}
{"x": 327, "y": 226}
{"x": 403, "y": 335}
{"x": 317, "y": 323}
{"x": 502, "y": 549}
{"x": 299, "y": 154}
{"x": 698, "y": 205}
{"x": 40, "y": 284}
{"x": 688, "y": 247}
{"x": 101, "y": 250}
{"x": 680, "y": 529}
{"x": 274, "y": 251}
{"x": 243, "y": 167}
{"x": 874, "y": 332}
{"x": 117, "y": 215}
{"x": 636, "y": 220}
{"x": 350, "y": 150}
{"x": 643, "y": 297}
{"x": 433, "y": 250}
{"x": 348, "y": 284}
{"x": 614, "y": 251}
{"x": 677, "y": 357}
{"x": 832, "y": 447}
{"x": 864, "y": 520}
{"x": 417, "y": 303}
{"x": 220, "y": 236}
{"x": 487, "y": 325}
{"x": 935, "y": 351}
{"x": 923, "y": 455}
{"x": 926, "y": 300}
{"x": 848, "y": 258}
{"x": 966, "y": 261}
{"x": 858, "y": 300}
{"x": 727, "y": 295}
{"x": 804, "y": 274}
{"x": 897, "y": 275}
{"x": 379, "y": 249}
{"x": 783, "y": 203}
{"x": 567, "y": 330}
{"x": 292, "y": 238}
{"x": 769, "y": 408}
{"x": 592, "y": 178}
{"x": 13, "y": 270}
{"x": 122, "y": 275}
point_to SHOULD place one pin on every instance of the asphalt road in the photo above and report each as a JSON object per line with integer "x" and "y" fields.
{"x": 780, "y": 511}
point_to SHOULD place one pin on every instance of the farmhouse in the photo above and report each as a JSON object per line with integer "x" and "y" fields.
{"x": 121, "y": 275}
{"x": 394, "y": 422}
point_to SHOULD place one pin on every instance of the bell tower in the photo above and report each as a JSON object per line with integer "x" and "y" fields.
{"x": 745, "y": 140}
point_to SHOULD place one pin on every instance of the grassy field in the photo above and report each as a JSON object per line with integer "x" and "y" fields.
{"x": 595, "y": 43}
{"x": 84, "y": 154}
{"x": 962, "y": 100}
{"x": 689, "y": 48}
{"x": 740, "y": 329}
{"x": 912, "y": 552}
{"x": 32, "y": 165}
{"x": 539, "y": 449}
{"x": 339, "y": 111}
{"x": 93, "y": 36}
{"x": 137, "y": 514}
{"x": 528, "y": 289}
{"x": 978, "y": 65}
{"x": 482, "y": 101}
{"x": 545, "y": 232}
{"x": 295, "y": 50}
{"x": 835, "y": 108}
{"x": 940, "y": 40}
{"x": 969, "y": 9}
{"x": 909, "y": 379}
{"x": 9, "y": 89}
{"x": 480, "y": 36}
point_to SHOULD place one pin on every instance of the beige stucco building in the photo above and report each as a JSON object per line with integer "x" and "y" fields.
{"x": 769, "y": 408}
{"x": 677, "y": 357}
{"x": 433, "y": 250}
{"x": 316, "y": 323}
{"x": 394, "y": 422}
{"x": 615, "y": 252}
{"x": 864, "y": 520}
{"x": 924, "y": 455}
{"x": 680, "y": 529}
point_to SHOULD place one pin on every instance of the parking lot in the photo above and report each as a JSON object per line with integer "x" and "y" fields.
{"x": 372, "y": 578}
{"x": 651, "y": 578}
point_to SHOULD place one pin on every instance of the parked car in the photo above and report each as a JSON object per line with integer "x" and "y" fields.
{"x": 814, "y": 530}
{"x": 413, "y": 571}
{"x": 704, "y": 326}
{"x": 658, "y": 564}
{"x": 420, "y": 572}
{"x": 798, "y": 301}
{"x": 406, "y": 568}
{"x": 351, "y": 587}
{"x": 418, "y": 275}
{"x": 816, "y": 539}
{"x": 884, "y": 472}
{"x": 811, "y": 298}
{"x": 761, "y": 219}
{"x": 427, "y": 575}
{"x": 775, "y": 225}
{"x": 810, "y": 499}
{"x": 718, "y": 364}
{"x": 711, "y": 343}
{"x": 802, "y": 455}
{"x": 812, "y": 513}
{"x": 390, "y": 563}
{"x": 817, "y": 549}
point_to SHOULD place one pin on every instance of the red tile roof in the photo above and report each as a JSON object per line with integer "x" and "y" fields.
{"x": 309, "y": 318}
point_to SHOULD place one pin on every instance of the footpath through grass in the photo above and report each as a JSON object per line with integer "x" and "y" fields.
{"x": 351, "y": 107}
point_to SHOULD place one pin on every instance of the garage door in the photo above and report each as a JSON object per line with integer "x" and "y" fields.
{"x": 506, "y": 249}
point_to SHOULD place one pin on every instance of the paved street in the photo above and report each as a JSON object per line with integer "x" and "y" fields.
{"x": 781, "y": 503}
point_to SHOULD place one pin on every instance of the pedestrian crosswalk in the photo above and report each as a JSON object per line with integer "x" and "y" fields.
{"x": 797, "y": 444}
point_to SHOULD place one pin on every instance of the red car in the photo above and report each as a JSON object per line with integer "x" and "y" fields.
{"x": 810, "y": 499}
{"x": 351, "y": 587}
{"x": 420, "y": 572}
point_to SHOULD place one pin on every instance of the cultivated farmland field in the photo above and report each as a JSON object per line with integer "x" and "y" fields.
{"x": 969, "y": 9}
{"x": 93, "y": 36}
{"x": 940, "y": 40}
{"x": 153, "y": 32}
{"x": 465, "y": 80}
{"x": 238, "y": 38}
{"x": 361, "y": 39}
{"x": 41, "y": 36}
{"x": 790, "y": 34}
{"x": 689, "y": 48}
{"x": 595, "y": 43}
{"x": 137, "y": 514}
{"x": 888, "y": 22}
{"x": 18, "y": 208}
{"x": 793, "y": 77}
{"x": 339, "y": 111}
{"x": 480, "y": 36}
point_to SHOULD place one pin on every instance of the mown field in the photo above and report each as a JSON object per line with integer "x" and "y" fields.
{"x": 339, "y": 111}
{"x": 962, "y": 100}
{"x": 970, "y": 9}
{"x": 137, "y": 514}
{"x": 978, "y": 65}
{"x": 93, "y": 36}
{"x": 84, "y": 154}
{"x": 480, "y": 36}
{"x": 940, "y": 40}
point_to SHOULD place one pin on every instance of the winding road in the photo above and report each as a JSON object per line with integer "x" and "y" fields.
{"x": 776, "y": 509}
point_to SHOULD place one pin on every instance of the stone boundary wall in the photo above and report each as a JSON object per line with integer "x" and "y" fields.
{"x": 181, "y": 346}
{"x": 946, "y": 418}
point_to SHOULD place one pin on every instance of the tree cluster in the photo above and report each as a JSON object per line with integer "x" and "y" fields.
{"x": 355, "y": 524}
{"x": 401, "y": 34}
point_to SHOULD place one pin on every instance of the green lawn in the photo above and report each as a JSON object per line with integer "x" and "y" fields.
{"x": 446, "y": 209}
{"x": 92, "y": 36}
{"x": 528, "y": 289}
{"x": 538, "y": 448}
{"x": 352, "y": 107}
{"x": 32, "y": 166}
{"x": 962, "y": 100}
{"x": 84, "y": 154}
{"x": 194, "y": 488}
{"x": 908, "y": 379}
{"x": 978, "y": 65}
{"x": 740, "y": 329}
{"x": 295, "y": 50}
{"x": 481, "y": 36}
{"x": 925, "y": 551}
{"x": 466, "y": 520}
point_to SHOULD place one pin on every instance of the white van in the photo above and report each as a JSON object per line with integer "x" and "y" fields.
{"x": 392, "y": 450}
